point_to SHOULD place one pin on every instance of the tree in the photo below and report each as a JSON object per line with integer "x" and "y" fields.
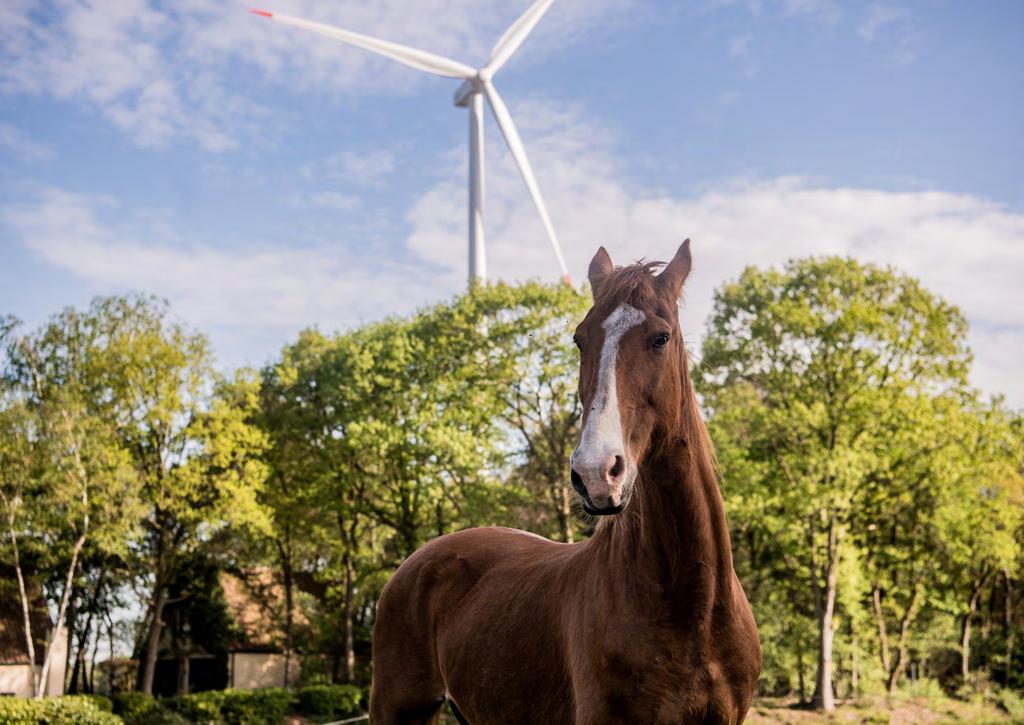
{"x": 124, "y": 376}
{"x": 74, "y": 482}
{"x": 830, "y": 346}
{"x": 982, "y": 520}
{"x": 402, "y": 429}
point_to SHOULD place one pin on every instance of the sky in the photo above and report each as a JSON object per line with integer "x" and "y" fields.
{"x": 264, "y": 179}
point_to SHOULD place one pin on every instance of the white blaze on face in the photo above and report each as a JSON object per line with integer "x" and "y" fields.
{"x": 602, "y": 433}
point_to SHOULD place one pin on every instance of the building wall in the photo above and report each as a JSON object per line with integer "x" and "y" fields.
{"x": 15, "y": 680}
{"x": 250, "y": 670}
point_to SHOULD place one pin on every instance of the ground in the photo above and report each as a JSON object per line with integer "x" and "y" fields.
{"x": 875, "y": 710}
{"x": 903, "y": 711}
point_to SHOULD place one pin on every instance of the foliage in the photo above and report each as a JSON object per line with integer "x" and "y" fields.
{"x": 234, "y": 707}
{"x": 838, "y": 400}
{"x": 875, "y": 500}
{"x": 134, "y": 707}
{"x": 330, "y": 700}
{"x": 67, "y": 710}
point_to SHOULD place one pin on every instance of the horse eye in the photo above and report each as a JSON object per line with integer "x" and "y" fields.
{"x": 660, "y": 341}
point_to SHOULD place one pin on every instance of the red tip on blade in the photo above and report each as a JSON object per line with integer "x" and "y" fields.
{"x": 567, "y": 279}
{"x": 264, "y": 13}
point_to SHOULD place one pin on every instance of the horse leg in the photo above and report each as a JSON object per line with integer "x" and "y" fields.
{"x": 406, "y": 689}
{"x": 407, "y": 685}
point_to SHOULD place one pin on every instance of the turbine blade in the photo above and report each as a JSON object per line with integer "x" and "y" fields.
{"x": 515, "y": 35}
{"x": 419, "y": 59}
{"x": 515, "y": 145}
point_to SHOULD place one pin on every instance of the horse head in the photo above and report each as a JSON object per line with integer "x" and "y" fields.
{"x": 632, "y": 375}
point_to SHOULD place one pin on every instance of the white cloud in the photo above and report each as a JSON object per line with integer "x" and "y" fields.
{"x": 250, "y": 300}
{"x": 964, "y": 248}
{"x": 361, "y": 169}
{"x": 877, "y": 17}
{"x": 164, "y": 72}
{"x": 326, "y": 200}
{"x": 21, "y": 145}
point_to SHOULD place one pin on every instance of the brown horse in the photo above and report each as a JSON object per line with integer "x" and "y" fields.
{"x": 645, "y": 622}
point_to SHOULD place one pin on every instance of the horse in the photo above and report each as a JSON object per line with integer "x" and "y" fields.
{"x": 644, "y": 622}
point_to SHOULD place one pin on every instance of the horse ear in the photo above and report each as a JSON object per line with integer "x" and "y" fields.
{"x": 675, "y": 273}
{"x": 600, "y": 265}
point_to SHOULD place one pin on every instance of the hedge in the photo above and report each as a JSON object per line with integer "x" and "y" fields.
{"x": 233, "y": 707}
{"x": 67, "y": 710}
{"x": 224, "y": 707}
{"x": 329, "y": 700}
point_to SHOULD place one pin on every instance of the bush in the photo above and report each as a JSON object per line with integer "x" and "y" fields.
{"x": 242, "y": 707}
{"x": 133, "y": 705}
{"x": 330, "y": 700}
{"x": 101, "y": 701}
{"x": 138, "y": 708}
{"x": 71, "y": 710}
{"x": 199, "y": 707}
{"x": 234, "y": 707}
{"x": 1011, "y": 703}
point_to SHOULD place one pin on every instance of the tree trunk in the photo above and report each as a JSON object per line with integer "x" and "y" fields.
{"x": 289, "y": 603}
{"x": 854, "y": 663}
{"x": 30, "y": 647}
{"x": 350, "y": 649}
{"x": 800, "y": 672}
{"x": 1008, "y": 625}
{"x": 883, "y": 634}
{"x": 565, "y": 513}
{"x": 183, "y": 672}
{"x": 148, "y": 664}
{"x": 78, "y": 669}
{"x": 825, "y": 603}
{"x": 58, "y": 629}
{"x": 965, "y": 640}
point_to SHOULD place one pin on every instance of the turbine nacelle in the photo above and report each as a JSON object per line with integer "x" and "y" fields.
{"x": 466, "y": 90}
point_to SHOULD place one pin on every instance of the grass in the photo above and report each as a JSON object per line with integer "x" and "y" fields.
{"x": 900, "y": 710}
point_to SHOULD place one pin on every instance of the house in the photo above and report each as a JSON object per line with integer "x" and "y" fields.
{"x": 15, "y": 665}
{"x": 230, "y": 634}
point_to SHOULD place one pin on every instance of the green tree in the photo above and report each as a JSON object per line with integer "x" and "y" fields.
{"x": 147, "y": 384}
{"x": 982, "y": 519}
{"x": 830, "y": 347}
{"x": 66, "y": 476}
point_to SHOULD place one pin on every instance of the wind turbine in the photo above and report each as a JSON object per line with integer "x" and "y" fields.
{"x": 475, "y": 86}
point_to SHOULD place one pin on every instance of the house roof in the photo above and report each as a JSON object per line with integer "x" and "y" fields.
{"x": 12, "y": 620}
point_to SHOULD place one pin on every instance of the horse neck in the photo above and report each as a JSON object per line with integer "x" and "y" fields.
{"x": 675, "y": 534}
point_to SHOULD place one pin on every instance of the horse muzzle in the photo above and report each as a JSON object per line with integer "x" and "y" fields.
{"x": 604, "y": 488}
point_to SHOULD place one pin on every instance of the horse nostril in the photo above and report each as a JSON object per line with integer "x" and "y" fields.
{"x": 617, "y": 468}
{"x": 577, "y": 482}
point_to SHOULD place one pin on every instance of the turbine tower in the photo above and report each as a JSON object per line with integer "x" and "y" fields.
{"x": 476, "y": 86}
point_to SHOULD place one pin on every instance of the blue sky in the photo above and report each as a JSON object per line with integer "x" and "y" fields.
{"x": 264, "y": 179}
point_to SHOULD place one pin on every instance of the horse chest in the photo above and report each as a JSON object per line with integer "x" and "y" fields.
{"x": 653, "y": 678}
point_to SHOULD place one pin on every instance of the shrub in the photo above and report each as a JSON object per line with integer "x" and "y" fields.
{"x": 330, "y": 700}
{"x": 242, "y": 707}
{"x": 133, "y": 705}
{"x": 1012, "y": 703}
{"x": 138, "y": 708}
{"x": 101, "y": 701}
{"x": 234, "y": 707}
{"x": 71, "y": 710}
{"x": 199, "y": 707}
